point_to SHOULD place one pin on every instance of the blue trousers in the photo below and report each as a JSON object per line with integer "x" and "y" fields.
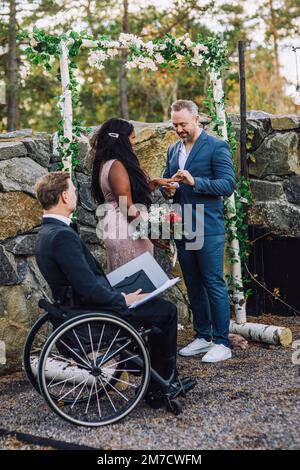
{"x": 203, "y": 272}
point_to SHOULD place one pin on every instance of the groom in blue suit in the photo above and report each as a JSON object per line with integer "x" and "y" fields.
{"x": 204, "y": 168}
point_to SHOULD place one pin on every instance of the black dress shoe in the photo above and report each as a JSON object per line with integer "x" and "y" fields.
{"x": 182, "y": 386}
{"x": 155, "y": 399}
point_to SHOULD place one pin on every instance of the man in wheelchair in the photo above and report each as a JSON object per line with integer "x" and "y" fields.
{"x": 77, "y": 280}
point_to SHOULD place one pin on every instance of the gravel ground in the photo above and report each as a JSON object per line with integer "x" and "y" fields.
{"x": 249, "y": 402}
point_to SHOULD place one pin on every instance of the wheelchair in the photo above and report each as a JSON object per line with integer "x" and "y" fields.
{"x": 92, "y": 367}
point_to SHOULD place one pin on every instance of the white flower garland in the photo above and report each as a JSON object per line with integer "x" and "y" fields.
{"x": 146, "y": 55}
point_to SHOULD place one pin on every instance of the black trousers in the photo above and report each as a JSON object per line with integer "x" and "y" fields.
{"x": 163, "y": 346}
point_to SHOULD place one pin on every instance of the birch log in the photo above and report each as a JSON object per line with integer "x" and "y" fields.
{"x": 63, "y": 371}
{"x": 238, "y": 294}
{"x": 67, "y": 102}
{"x": 278, "y": 335}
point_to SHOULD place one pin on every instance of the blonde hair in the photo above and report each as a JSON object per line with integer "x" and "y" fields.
{"x": 50, "y": 187}
{"x": 185, "y": 104}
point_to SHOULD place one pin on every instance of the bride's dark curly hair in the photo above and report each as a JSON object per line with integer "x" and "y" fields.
{"x": 106, "y": 147}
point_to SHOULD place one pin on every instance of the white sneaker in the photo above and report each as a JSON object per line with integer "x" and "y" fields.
{"x": 199, "y": 345}
{"x": 217, "y": 353}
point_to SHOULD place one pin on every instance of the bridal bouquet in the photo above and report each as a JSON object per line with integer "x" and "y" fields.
{"x": 162, "y": 227}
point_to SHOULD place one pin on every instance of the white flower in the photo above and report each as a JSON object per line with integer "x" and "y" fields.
{"x": 149, "y": 46}
{"x": 96, "y": 59}
{"x": 188, "y": 43}
{"x": 112, "y": 52}
{"x": 159, "y": 58}
{"x": 179, "y": 56}
{"x": 198, "y": 60}
{"x": 177, "y": 41}
{"x": 141, "y": 63}
{"x": 202, "y": 48}
{"x": 127, "y": 39}
{"x": 33, "y": 42}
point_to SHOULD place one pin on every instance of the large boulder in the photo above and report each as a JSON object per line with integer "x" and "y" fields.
{"x": 279, "y": 217}
{"x": 20, "y": 174}
{"x": 285, "y": 123}
{"x": 11, "y": 150}
{"x": 19, "y": 213}
{"x": 151, "y": 147}
{"x": 86, "y": 199}
{"x": 8, "y": 268}
{"x": 18, "y": 311}
{"x": 16, "y": 135}
{"x": 266, "y": 190}
{"x": 38, "y": 150}
{"x": 258, "y": 127}
{"x": 279, "y": 154}
{"x": 291, "y": 188}
{"x": 23, "y": 245}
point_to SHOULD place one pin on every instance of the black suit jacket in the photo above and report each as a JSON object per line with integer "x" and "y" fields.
{"x": 64, "y": 260}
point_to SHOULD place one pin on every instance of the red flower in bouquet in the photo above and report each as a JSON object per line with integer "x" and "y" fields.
{"x": 172, "y": 217}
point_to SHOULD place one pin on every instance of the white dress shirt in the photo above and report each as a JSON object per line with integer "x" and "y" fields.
{"x": 183, "y": 154}
{"x": 62, "y": 218}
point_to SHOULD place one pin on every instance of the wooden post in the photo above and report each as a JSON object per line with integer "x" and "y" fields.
{"x": 238, "y": 295}
{"x": 66, "y": 103}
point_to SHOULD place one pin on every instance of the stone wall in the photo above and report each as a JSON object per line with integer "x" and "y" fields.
{"x": 24, "y": 157}
{"x": 274, "y": 171}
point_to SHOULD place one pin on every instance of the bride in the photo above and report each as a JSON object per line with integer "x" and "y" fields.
{"x": 116, "y": 173}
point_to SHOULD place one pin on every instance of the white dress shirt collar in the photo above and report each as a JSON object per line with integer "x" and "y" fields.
{"x": 62, "y": 218}
{"x": 183, "y": 155}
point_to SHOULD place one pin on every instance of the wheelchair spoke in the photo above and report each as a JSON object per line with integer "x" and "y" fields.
{"x": 72, "y": 390}
{"x": 115, "y": 389}
{"x": 50, "y": 385}
{"x": 90, "y": 395}
{"x": 81, "y": 347}
{"x": 99, "y": 343}
{"x": 92, "y": 346}
{"x": 107, "y": 394}
{"x": 74, "y": 352}
{"x": 84, "y": 385}
{"x": 124, "y": 382}
{"x": 98, "y": 403}
{"x": 112, "y": 355}
{"x": 107, "y": 351}
{"x": 70, "y": 361}
{"x": 122, "y": 370}
{"x": 123, "y": 360}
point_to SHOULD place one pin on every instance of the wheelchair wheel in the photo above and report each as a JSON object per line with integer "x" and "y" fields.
{"x": 37, "y": 337}
{"x": 94, "y": 370}
{"x": 34, "y": 343}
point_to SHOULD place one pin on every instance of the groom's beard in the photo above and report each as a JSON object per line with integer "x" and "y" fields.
{"x": 186, "y": 137}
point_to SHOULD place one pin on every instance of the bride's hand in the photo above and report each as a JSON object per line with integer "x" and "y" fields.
{"x": 155, "y": 182}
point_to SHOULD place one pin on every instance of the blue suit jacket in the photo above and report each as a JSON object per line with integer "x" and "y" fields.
{"x": 211, "y": 165}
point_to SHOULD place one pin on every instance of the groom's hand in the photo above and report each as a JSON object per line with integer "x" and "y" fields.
{"x": 130, "y": 298}
{"x": 169, "y": 189}
{"x": 185, "y": 177}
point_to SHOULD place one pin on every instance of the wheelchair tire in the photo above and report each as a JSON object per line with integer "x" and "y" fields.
{"x": 35, "y": 340}
{"x": 98, "y": 347}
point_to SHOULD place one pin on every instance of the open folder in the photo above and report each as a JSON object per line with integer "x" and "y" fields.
{"x": 151, "y": 278}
